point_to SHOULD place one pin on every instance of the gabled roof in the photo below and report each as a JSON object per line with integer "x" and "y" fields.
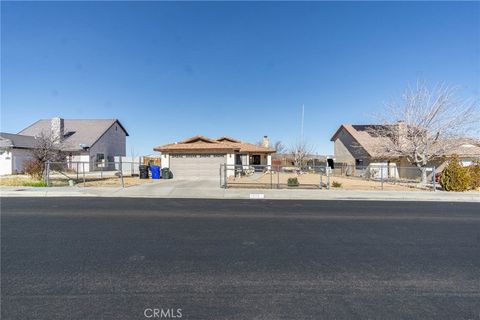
{"x": 77, "y": 131}
{"x": 360, "y": 133}
{"x": 221, "y": 145}
{"x": 228, "y": 139}
{"x": 198, "y": 139}
{"x": 11, "y": 140}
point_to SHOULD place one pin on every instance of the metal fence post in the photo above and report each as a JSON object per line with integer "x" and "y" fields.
{"x": 121, "y": 173}
{"x": 83, "y": 171}
{"x": 278, "y": 177}
{"x": 434, "y": 182}
{"x": 321, "y": 179}
{"x": 328, "y": 177}
{"x": 225, "y": 175}
{"x": 77, "y": 173}
{"x": 271, "y": 178}
{"x": 381, "y": 175}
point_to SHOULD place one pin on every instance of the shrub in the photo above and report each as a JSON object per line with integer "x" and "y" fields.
{"x": 293, "y": 182}
{"x": 336, "y": 184}
{"x": 34, "y": 168}
{"x": 474, "y": 171}
{"x": 455, "y": 177}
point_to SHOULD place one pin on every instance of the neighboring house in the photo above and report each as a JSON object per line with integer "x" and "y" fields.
{"x": 200, "y": 156}
{"x": 92, "y": 141}
{"x": 355, "y": 146}
{"x": 14, "y": 151}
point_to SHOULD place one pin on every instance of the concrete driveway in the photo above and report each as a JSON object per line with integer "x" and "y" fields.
{"x": 177, "y": 188}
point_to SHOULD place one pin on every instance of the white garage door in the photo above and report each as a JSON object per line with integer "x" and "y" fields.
{"x": 196, "y": 166}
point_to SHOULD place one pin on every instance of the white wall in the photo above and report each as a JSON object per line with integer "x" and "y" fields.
{"x": 12, "y": 161}
{"x": 5, "y": 163}
{"x": 72, "y": 162}
{"x": 230, "y": 165}
{"x": 165, "y": 160}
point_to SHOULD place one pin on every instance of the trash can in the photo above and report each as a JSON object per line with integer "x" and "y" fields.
{"x": 165, "y": 173}
{"x": 155, "y": 172}
{"x": 143, "y": 169}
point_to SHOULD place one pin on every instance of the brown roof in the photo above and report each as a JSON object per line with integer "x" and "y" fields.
{"x": 221, "y": 145}
{"x": 360, "y": 134}
{"x": 466, "y": 147}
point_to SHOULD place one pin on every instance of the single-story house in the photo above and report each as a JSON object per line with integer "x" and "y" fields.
{"x": 200, "y": 156}
{"x": 91, "y": 141}
{"x": 14, "y": 151}
{"x": 355, "y": 146}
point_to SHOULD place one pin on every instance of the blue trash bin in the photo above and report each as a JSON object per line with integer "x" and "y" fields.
{"x": 155, "y": 172}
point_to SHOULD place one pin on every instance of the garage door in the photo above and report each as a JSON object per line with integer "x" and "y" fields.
{"x": 196, "y": 166}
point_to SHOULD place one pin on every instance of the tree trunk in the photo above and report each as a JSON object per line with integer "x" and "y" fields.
{"x": 424, "y": 175}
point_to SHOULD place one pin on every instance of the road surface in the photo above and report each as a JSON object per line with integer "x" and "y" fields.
{"x": 107, "y": 258}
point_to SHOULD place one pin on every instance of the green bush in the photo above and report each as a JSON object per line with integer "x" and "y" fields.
{"x": 474, "y": 171}
{"x": 293, "y": 182}
{"x": 455, "y": 177}
{"x": 336, "y": 184}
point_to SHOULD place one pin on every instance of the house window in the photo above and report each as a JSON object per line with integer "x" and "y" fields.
{"x": 100, "y": 157}
{"x": 255, "y": 159}
{"x": 240, "y": 159}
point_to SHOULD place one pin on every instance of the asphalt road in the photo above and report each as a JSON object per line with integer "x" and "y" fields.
{"x": 102, "y": 258}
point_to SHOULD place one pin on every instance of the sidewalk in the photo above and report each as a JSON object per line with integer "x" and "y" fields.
{"x": 218, "y": 193}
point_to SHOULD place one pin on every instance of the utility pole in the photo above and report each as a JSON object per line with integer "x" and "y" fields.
{"x": 303, "y": 117}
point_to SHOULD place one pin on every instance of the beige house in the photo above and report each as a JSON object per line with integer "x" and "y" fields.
{"x": 201, "y": 157}
{"x": 355, "y": 146}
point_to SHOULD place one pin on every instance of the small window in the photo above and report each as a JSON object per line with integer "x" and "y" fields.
{"x": 359, "y": 163}
{"x": 100, "y": 157}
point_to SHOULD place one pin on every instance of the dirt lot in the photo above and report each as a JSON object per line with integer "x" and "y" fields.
{"x": 104, "y": 182}
{"x": 311, "y": 180}
{"x": 23, "y": 180}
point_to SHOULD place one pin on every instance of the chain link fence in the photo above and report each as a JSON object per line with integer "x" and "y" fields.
{"x": 372, "y": 177}
{"x": 86, "y": 174}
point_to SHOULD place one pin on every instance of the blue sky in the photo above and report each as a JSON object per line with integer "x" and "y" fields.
{"x": 172, "y": 70}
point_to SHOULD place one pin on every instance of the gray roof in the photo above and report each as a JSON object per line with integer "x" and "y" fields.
{"x": 12, "y": 140}
{"x": 77, "y": 131}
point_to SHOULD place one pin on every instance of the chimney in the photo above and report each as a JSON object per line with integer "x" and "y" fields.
{"x": 265, "y": 142}
{"x": 57, "y": 127}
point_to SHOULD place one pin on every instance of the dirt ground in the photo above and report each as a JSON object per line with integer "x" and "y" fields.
{"x": 311, "y": 180}
{"x": 104, "y": 182}
{"x": 24, "y": 180}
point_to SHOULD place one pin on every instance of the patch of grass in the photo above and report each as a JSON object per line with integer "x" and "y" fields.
{"x": 336, "y": 184}
{"x": 21, "y": 182}
{"x": 34, "y": 184}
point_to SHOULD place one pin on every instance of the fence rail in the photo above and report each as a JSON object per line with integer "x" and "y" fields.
{"x": 89, "y": 173}
{"x": 372, "y": 177}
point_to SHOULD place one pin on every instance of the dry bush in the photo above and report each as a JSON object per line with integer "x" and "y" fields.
{"x": 34, "y": 168}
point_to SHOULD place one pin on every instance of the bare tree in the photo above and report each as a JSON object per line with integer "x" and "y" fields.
{"x": 279, "y": 147}
{"x": 300, "y": 152}
{"x": 425, "y": 124}
{"x": 47, "y": 148}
